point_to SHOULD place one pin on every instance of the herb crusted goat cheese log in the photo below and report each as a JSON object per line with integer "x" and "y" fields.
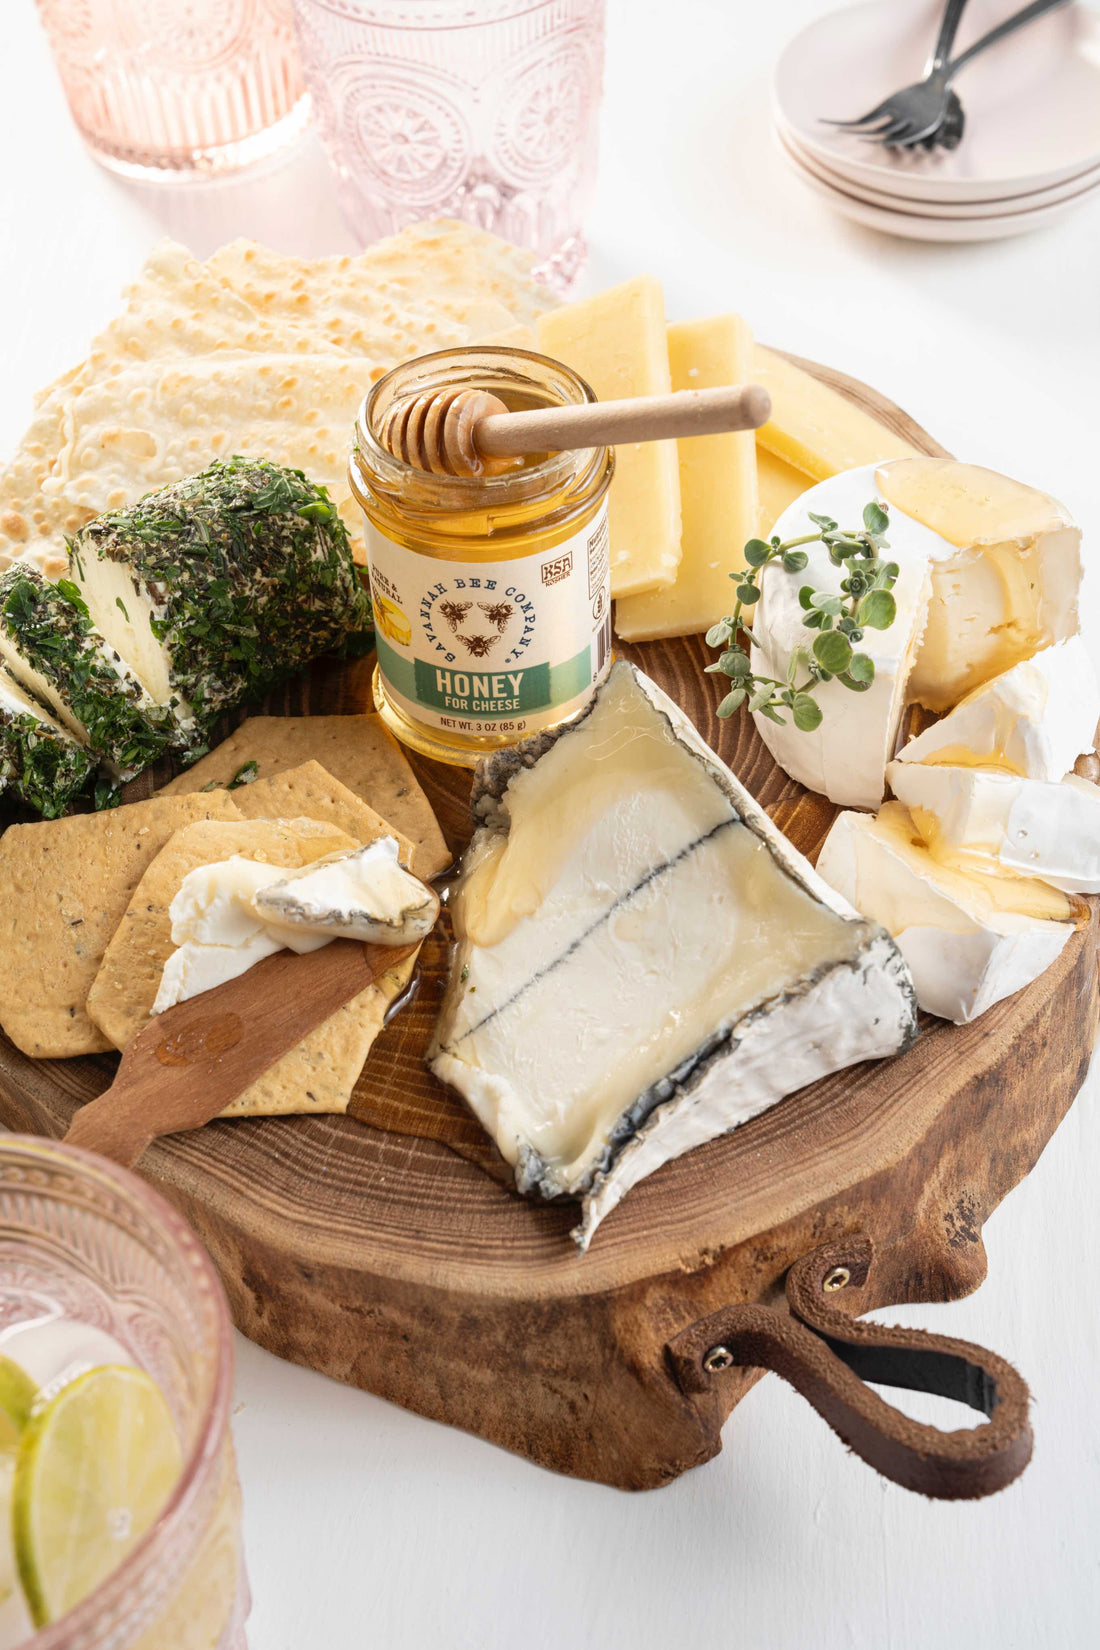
{"x": 50, "y": 645}
{"x": 40, "y": 761}
{"x": 219, "y": 586}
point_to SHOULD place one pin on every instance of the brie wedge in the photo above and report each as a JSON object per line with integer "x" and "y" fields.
{"x": 1035, "y": 719}
{"x": 845, "y": 757}
{"x": 981, "y": 819}
{"x": 1008, "y": 583}
{"x": 365, "y": 894}
{"x": 969, "y": 940}
{"x": 643, "y": 961}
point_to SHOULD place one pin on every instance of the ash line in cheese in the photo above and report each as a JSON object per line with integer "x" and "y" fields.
{"x": 600, "y": 922}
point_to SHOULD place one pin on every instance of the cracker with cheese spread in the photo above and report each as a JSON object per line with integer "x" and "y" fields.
{"x": 320, "y": 1073}
{"x": 64, "y": 886}
{"x": 357, "y": 751}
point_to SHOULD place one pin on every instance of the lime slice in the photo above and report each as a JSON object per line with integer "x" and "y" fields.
{"x": 17, "y": 1394}
{"x": 96, "y": 1466}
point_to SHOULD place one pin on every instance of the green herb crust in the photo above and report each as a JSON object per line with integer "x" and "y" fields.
{"x": 48, "y": 627}
{"x": 41, "y": 763}
{"x": 248, "y": 571}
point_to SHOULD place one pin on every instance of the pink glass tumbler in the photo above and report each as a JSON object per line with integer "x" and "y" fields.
{"x": 179, "y": 88}
{"x": 485, "y": 110}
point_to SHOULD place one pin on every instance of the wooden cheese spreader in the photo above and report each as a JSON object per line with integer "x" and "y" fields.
{"x": 190, "y": 1062}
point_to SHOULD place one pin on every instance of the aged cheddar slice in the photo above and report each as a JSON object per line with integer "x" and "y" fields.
{"x": 717, "y": 491}
{"x": 616, "y": 340}
{"x": 778, "y": 484}
{"x": 643, "y": 960}
{"x": 969, "y": 940}
{"x": 815, "y": 428}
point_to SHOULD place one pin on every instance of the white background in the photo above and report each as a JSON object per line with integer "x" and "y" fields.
{"x": 367, "y": 1525}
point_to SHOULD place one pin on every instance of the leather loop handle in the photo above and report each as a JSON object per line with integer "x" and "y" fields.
{"x": 828, "y": 1356}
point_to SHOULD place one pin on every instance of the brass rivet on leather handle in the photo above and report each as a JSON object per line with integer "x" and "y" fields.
{"x": 838, "y": 1278}
{"x": 719, "y": 1357}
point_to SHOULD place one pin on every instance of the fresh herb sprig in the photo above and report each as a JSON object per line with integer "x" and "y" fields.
{"x": 865, "y": 603}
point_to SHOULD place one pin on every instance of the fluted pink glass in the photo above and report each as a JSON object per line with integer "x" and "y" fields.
{"x": 179, "y": 87}
{"x": 485, "y": 110}
{"x": 84, "y": 1239}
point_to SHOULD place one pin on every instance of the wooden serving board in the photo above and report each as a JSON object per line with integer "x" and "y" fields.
{"x": 391, "y": 1262}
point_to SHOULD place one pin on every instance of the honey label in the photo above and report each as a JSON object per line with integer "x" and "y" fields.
{"x": 502, "y": 648}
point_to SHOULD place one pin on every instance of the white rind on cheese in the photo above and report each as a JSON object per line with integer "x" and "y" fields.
{"x": 982, "y": 819}
{"x": 1035, "y": 719}
{"x": 845, "y": 757}
{"x": 966, "y": 947}
{"x": 362, "y": 894}
{"x": 631, "y": 931}
{"x": 1006, "y": 586}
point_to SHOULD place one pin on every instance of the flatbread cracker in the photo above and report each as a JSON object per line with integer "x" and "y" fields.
{"x": 159, "y": 421}
{"x": 310, "y": 792}
{"x": 320, "y": 1073}
{"x": 175, "y": 308}
{"x": 356, "y": 750}
{"x": 64, "y": 886}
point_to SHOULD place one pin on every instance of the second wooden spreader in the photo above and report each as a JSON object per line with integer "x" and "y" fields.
{"x": 377, "y": 1247}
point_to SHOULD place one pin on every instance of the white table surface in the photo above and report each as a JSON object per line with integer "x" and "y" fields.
{"x": 368, "y": 1525}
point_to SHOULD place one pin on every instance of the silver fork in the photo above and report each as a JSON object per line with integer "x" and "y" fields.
{"x": 918, "y": 112}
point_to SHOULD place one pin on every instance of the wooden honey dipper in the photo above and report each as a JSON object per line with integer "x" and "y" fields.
{"x": 466, "y": 432}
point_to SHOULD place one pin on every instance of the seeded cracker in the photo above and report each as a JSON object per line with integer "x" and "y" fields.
{"x": 311, "y": 793}
{"x": 64, "y": 886}
{"x": 356, "y": 750}
{"x": 318, "y": 1075}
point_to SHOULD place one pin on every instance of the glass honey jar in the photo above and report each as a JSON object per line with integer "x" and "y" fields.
{"x": 491, "y": 593}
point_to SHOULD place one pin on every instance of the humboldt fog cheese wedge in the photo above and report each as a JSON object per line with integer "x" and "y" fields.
{"x": 41, "y": 762}
{"x": 50, "y": 645}
{"x": 643, "y": 961}
{"x": 969, "y": 939}
{"x": 221, "y": 585}
{"x": 985, "y": 820}
{"x": 1035, "y": 719}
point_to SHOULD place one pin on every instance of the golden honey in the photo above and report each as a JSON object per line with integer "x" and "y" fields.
{"x": 491, "y": 594}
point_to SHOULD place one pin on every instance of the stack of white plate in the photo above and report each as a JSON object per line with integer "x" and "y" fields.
{"x": 1031, "y": 148}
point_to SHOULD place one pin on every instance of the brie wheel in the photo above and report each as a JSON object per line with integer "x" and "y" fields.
{"x": 982, "y": 820}
{"x": 643, "y": 961}
{"x": 969, "y": 940}
{"x": 1008, "y": 584}
{"x": 845, "y": 757}
{"x": 990, "y": 572}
